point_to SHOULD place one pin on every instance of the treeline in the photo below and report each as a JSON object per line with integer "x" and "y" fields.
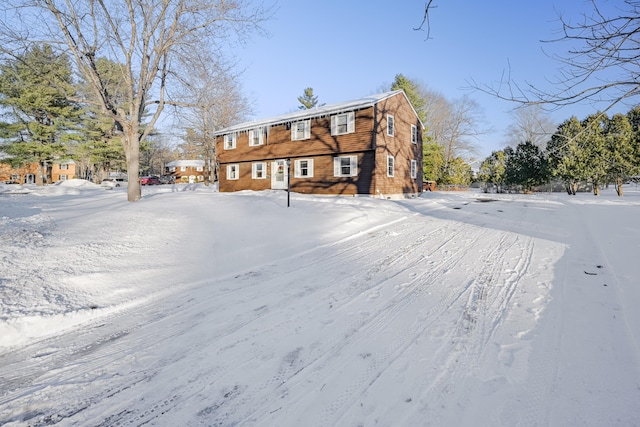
{"x": 598, "y": 150}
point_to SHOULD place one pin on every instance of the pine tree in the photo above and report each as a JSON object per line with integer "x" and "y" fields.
{"x": 34, "y": 89}
{"x": 412, "y": 90}
{"x": 308, "y": 100}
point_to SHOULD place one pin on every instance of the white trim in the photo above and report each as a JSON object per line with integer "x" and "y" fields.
{"x": 230, "y": 141}
{"x": 414, "y": 134}
{"x": 353, "y": 165}
{"x": 263, "y": 170}
{"x": 350, "y": 123}
{"x": 414, "y": 169}
{"x": 391, "y": 125}
{"x": 306, "y": 130}
{"x": 391, "y": 166}
{"x": 252, "y": 137}
{"x": 297, "y": 168}
{"x": 233, "y": 172}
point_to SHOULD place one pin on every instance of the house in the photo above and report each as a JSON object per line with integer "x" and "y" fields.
{"x": 186, "y": 171}
{"x": 370, "y": 146}
{"x": 62, "y": 170}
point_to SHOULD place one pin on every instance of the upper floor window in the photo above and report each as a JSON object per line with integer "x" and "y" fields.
{"x": 345, "y": 166}
{"x": 301, "y": 130}
{"x": 390, "y": 166}
{"x": 172, "y": 168}
{"x": 183, "y": 168}
{"x": 414, "y": 134}
{"x": 256, "y": 137}
{"x": 64, "y": 166}
{"x": 414, "y": 169}
{"x": 259, "y": 170}
{"x": 343, "y": 123}
{"x": 233, "y": 172}
{"x": 303, "y": 168}
{"x": 230, "y": 141}
{"x": 390, "y": 125}
{"x": 199, "y": 168}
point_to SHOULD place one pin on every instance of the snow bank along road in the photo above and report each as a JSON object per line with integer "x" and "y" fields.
{"x": 453, "y": 309}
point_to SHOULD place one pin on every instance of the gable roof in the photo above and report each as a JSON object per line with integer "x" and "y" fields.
{"x": 321, "y": 111}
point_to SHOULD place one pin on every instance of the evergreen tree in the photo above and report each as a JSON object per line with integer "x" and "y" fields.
{"x": 492, "y": 170}
{"x": 33, "y": 91}
{"x": 526, "y": 166}
{"x": 412, "y": 90}
{"x": 308, "y": 100}
{"x": 432, "y": 161}
{"x": 564, "y": 154}
{"x": 593, "y": 150}
{"x": 620, "y": 153}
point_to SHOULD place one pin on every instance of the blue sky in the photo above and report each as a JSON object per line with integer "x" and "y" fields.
{"x": 349, "y": 49}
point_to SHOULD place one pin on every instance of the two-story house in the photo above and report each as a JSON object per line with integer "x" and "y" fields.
{"x": 186, "y": 171}
{"x": 369, "y": 146}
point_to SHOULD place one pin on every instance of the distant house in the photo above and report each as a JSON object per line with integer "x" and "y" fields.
{"x": 186, "y": 171}
{"x": 63, "y": 170}
{"x": 369, "y": 146}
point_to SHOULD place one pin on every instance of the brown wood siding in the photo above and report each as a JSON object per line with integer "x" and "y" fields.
{"x": 369, "y": 142}
{"x": 399, "y": 146}
{"x": 278, "y": 143}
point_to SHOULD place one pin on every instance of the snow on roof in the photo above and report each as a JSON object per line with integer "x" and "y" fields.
{"x": 324, "y": 110}
{"x": 179, "y": 163}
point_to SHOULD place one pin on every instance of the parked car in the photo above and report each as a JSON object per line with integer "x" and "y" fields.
{"x": 150, "y": 180}
{"x": 167, "y": 179}
{"x": 110, "y": 183}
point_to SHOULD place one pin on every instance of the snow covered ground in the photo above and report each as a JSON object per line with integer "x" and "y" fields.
{"x": 197, "y": 308}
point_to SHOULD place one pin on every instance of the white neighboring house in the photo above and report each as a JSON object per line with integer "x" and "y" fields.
{"x": 186, "y": 171}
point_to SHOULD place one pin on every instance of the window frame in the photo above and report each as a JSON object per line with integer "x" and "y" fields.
{"x": 252, "y": 133}
{"x": 254, "y": 170}
{"x": 237, "y": 171}
{"x": 350, "y": 123}
{"x": 233, "y": 141}
{"x": 414, "y": 169}
{"x": 297, "y": 168}
{"x": 338, "y": 167}
{"x": 306, "y": 130}
{"x": 391, "y": 166}
{"x": 391, "y": 125}
{"x": 414, "y": 134}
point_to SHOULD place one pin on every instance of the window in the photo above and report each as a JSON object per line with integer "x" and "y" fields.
{"x": 414, "y": 169}
{"x": 258, "y": 170}
{"x": 301, "y": 130}
{"x": 303, "y": 168}
{"x": 345, "y": 166}
{"x": 63, "y": 177}
{"x": 64, "y": 166}
{"x": 343, "y": 123}
{"x": 390, "y": 125}
{"x": 172, "y": 169}
{"x": 230, "y": 141}
{"x": 183, "y": 168}
{"x": 256, "y": 137}
{"x": 199, "y": 168}
{"x": 390, "y": 165}
{"x": 232, "y": 171}
{"x": 414, "y": 134}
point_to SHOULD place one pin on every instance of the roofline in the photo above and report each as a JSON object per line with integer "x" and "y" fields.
{"x": 322, "y": 111}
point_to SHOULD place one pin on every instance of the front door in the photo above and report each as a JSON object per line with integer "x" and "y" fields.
{"x": 279, "y": 174}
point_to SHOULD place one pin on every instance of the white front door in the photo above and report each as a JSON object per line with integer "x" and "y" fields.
{"x": 279, "y": 174}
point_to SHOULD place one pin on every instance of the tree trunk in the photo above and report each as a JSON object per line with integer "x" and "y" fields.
{"x": 619, "y": 187}
{"x": 132, "y": 154}
{"x": 596, "y": 189}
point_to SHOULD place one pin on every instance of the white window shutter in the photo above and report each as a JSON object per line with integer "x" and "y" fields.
{"x": 296, "y": 169}
{"x": 354, "y": 165}
{"x": 333, "y": 125}
{"x": 336, "y": 166}
{"x": 351, "y": 122}
{"x": 293, "y": 131}
{"x": 307, "y": 129}
{"x": 310, "y": 167}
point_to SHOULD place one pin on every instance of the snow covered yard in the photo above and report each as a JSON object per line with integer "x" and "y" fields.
{"x": 198, "y": 308}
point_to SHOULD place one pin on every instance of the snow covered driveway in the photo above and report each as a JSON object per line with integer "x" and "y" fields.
{"x": 199, "y": 308}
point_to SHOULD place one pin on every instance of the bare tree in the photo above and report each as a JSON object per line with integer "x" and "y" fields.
{"x": 147, "y": 38}
{"x": 603, "y": 67}
{"x": 216, "y": 101}
{"x": 530, "y": 124}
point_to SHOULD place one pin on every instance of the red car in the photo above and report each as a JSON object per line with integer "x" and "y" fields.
{"x": 150, "y": 180}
